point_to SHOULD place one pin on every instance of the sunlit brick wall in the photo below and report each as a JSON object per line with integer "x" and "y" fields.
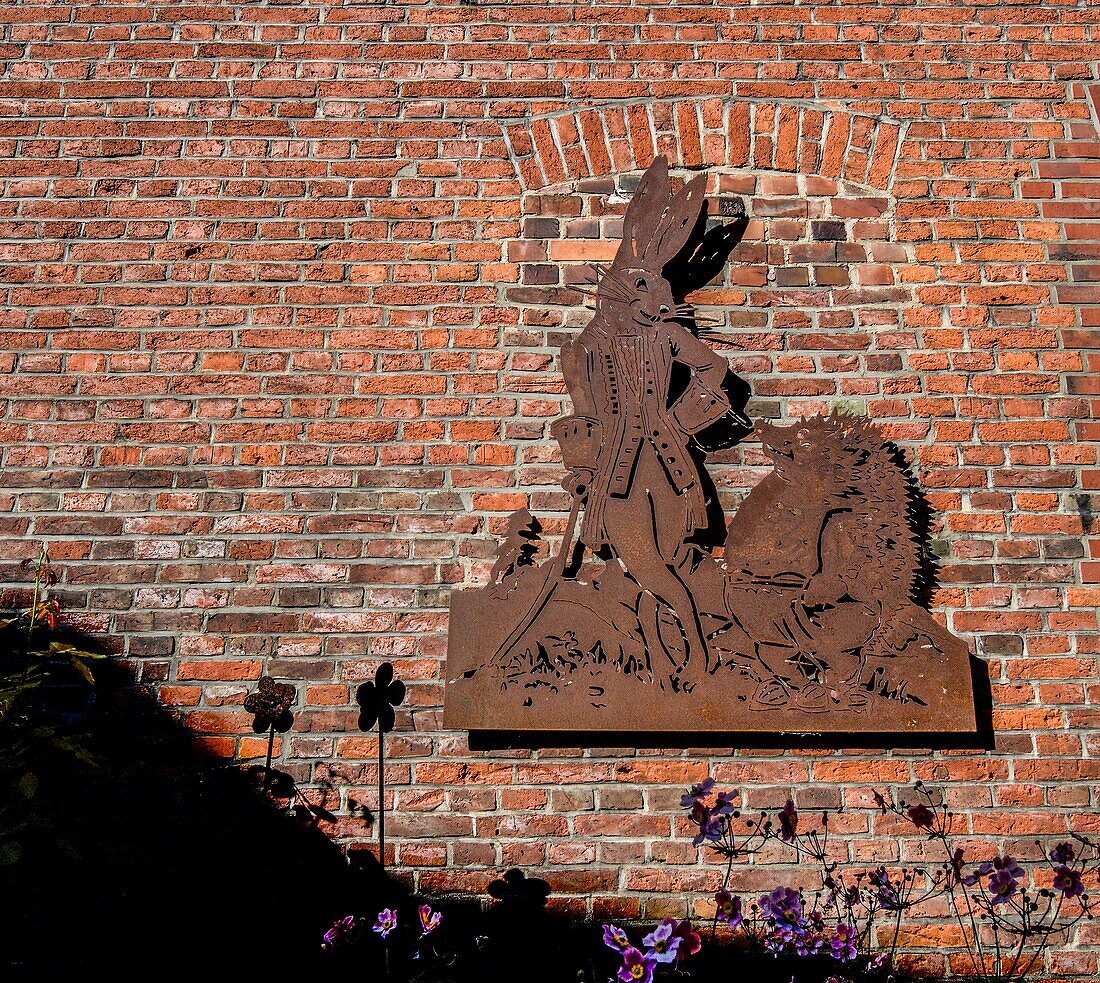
{"x": 283, "y": 288}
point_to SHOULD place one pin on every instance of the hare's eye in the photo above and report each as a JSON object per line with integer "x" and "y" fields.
{"x": 640, "y": 283}
{"x": 664, "y": 309}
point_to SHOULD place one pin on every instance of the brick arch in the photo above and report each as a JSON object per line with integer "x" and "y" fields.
{"x": 694, "y": 133}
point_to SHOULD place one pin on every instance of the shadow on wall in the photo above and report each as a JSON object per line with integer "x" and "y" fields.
{"x": 171, "y": 860}
{"x": 164, "y": 859}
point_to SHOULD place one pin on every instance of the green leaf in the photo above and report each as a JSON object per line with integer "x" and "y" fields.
{"x": 10, "y": 853}
{"x": 64, "y": 648}
{"x": 78, "y": 664}
{"x": 28, "y": 785}
{"x": 77, "y": 750}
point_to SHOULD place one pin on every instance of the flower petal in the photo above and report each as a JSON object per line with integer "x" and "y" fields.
{"x": 385, "y": 718}
{"x": 395, "y": 693}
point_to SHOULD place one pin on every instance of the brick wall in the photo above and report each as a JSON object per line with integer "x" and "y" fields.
{"x": 283, "y": 287}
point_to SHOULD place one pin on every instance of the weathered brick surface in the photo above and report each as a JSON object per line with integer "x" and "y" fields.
{"x": 283, "y": 285}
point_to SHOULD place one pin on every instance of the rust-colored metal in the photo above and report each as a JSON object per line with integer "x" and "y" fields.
{"x": 809, "y": 622}
{"x": 270, "y": 705}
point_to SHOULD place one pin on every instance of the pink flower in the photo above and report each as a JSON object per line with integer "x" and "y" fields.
{"x": 729, "y": 908}
{"x": 615, "y": 938}
{"x": 429, "y": 920}
{"x": 636, "y": 967}
{"x": 690, "y": 942}
{"x": 662, "y": 944}
{"x": 1068, "y": 881}
{"x": 387, "y": 922}
{"x": 1063, "y": 853}
{"x": 340, "y": 930}
{"x": 921, "y": 816}
{"x": 788, "y": 822}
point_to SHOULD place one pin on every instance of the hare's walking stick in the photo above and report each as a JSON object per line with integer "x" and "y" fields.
{"x": 553, "y": 576}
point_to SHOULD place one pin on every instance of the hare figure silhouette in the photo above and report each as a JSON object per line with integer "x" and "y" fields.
{"x": 634, "y": 624}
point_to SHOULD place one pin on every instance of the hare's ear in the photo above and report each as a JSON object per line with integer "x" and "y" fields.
{"x": 675, "y": 226}
{"x": 644, "y": 211}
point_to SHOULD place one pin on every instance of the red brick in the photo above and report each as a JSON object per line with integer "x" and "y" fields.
{"x": 272, "y": 381}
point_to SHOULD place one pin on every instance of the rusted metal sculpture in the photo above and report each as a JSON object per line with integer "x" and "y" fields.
{"x": 809, "y": 621}
{"x": 270, "y": 705}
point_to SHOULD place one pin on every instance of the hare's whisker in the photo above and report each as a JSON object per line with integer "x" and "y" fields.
{"x": 615, "y": 294}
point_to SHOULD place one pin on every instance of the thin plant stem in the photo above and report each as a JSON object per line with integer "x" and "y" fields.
{"x": 975, "y": 928}
{"x": 35, "y": 595}
{"x": 976, "y": 951}
{"x": 39, "y": 566}
{"x": 1020, "y": 947}
{"x": 381, "y": 795}
{"x": 1043, "y": 943}
{"x": 897, "y": 931}
{"x": 978, "y": 970}
{"x": 725, "y": 884}
{"x": 996, "y": 942}
{"x": 270, "y": 749}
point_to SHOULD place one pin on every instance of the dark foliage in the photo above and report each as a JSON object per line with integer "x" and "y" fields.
{"x": 174, "y": 862}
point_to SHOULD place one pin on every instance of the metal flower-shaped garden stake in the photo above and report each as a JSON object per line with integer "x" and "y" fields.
{"x": 270, "y": 705}
{"x": 376, "y": 702}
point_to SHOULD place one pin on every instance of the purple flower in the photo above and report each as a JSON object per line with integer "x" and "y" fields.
{"x": 850, "y": 896}
{"x": 957, "y": 864}
{"x": 636, "y": 967}
{"x": 884, "y": 889}
{"x": 662, "y": 944}
{"x": 696, "y": 792}
{"x": 807, "y": 943}
{"x": 983, "y": 868}
{"x": 429, "y": 920}
{"x": 1068, "y": 881}
{"x": 710, "y": 825}
{"x": 690, "y": 942}
{"x": 1003, "y": 887}
{"x": 725, "y": 804}
{"x": 788, "y": 822}
{"x": 843, "y": 943}
{"x": 387, "y": 922}
{"x": 1063, "y": 853}
{"x": 921, "y": 816}
{"x": 340, "y": 930}
{"x": 782, "y": 905}
{"x": 1004, "y": 875}
{"x": 615, "y": 938}
{"x": 729, "y": 908}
